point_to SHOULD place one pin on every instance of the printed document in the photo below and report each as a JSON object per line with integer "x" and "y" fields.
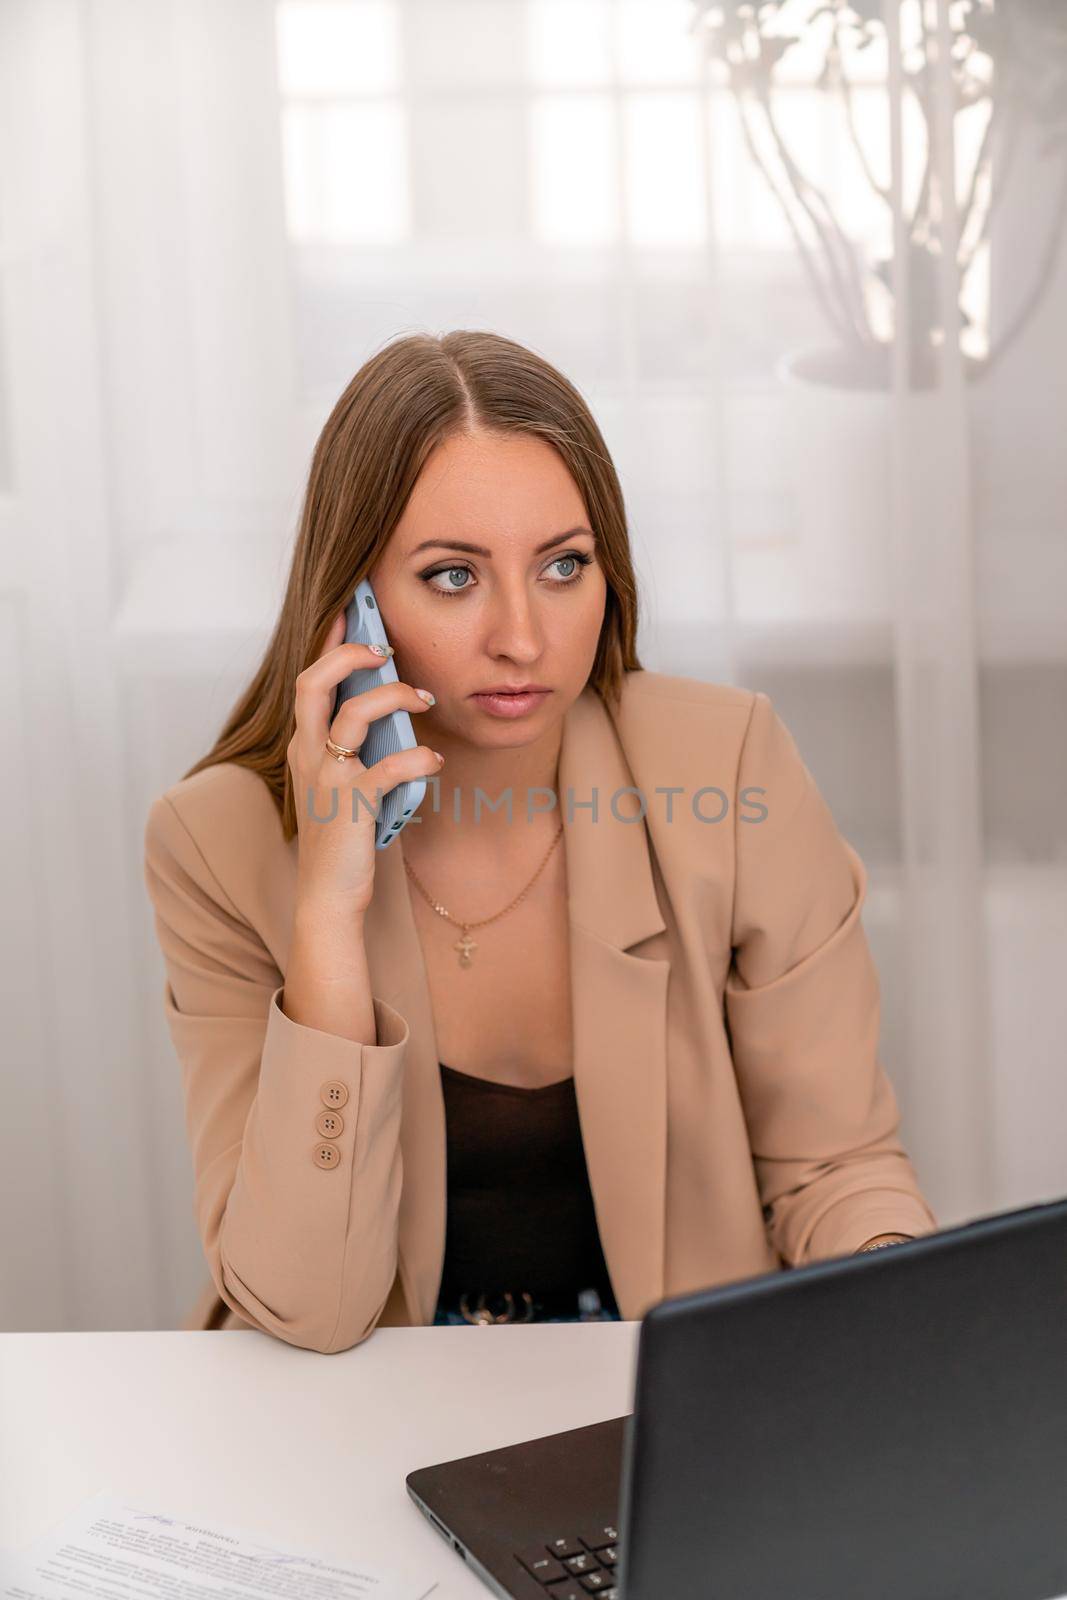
{"x": 110, "y": 1548}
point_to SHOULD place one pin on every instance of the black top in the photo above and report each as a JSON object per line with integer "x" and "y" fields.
{"x": 520, "y": 1210}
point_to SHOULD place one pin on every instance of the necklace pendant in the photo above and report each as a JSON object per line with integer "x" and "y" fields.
{"x": 465, "y": 946}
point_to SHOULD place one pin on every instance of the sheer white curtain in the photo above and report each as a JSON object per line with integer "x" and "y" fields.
{"x": 211, "y": 214}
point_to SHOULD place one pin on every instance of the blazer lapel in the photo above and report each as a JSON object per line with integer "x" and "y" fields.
{"x": 619, "y": 1002}
{"x": 619, "y": 1017}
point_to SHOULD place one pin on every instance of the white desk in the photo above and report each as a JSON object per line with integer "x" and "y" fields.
{"x": 239, "y": 1428}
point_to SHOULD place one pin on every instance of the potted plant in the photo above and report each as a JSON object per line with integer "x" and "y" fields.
{"x": 1008, "y": 63}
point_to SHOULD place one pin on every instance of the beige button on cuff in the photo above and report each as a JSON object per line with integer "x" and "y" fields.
{"x": 326, "y": 1155}
{"x": 330, "y": 1124}
{"x": 334, "y": 1094}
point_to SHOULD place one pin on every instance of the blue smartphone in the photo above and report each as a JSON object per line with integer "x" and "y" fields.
{"x": 385, "y": 734}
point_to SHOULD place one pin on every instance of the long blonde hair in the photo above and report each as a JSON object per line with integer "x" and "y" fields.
{"x": 414, "y": 393}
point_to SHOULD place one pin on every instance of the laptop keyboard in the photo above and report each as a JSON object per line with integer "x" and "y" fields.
{"x": 574, "y": 1566}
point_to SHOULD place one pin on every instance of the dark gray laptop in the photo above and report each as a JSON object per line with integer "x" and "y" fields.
{"x": 888, "y": 1426}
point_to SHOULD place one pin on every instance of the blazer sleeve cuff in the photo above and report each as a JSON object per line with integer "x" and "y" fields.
{"x": 287, "y": 1041}
{"x": 296, "y": 1062}
{"x": 847, "y": 1224}
{"x": 297, "y": 1236}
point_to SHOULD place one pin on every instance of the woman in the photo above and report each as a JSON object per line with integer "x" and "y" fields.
{"x": 552, "y": 1064}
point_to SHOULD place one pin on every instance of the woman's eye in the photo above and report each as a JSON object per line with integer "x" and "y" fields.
{"x": 450, "y": 573}
{"x": 574, "y": 560}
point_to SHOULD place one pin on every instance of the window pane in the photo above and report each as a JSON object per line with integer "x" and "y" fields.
{"x": 567, "y": 42}
{"x": 328, "y": 47}
{"x": 573, "y": 178}
{"x": 664, "y": 173}
{"x": 346, "y": 172}
{"x": 655, "y": 44}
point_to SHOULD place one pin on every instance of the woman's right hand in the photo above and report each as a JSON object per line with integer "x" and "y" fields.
{"x": 336, "y": 858}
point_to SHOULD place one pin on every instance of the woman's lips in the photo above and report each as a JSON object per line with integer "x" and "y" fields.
{"x": 510, "y": 705}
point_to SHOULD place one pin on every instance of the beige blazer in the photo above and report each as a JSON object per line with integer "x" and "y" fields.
{"x": 735, "y": 1114}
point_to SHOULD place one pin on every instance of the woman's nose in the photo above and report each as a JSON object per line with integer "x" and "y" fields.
{"x": 513, "y": 625}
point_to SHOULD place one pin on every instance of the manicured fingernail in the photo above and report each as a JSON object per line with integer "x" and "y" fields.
{"x": 381, "y": 649}
{"x": 439, "y": 756}
{"x": 424, "y": 694}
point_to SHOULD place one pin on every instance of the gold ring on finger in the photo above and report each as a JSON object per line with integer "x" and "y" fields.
{"x": 338, "y": 750}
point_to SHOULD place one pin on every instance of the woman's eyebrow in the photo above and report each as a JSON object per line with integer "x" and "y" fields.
{"x": 480, "y": 550}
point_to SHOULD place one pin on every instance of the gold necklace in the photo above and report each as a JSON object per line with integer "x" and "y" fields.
{"x": 465, "y": 944}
